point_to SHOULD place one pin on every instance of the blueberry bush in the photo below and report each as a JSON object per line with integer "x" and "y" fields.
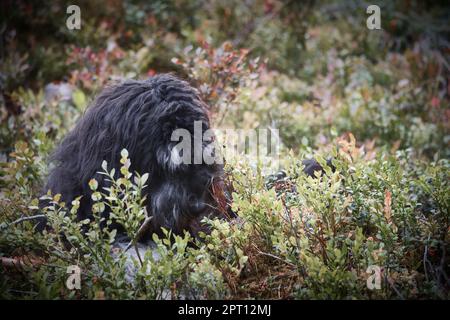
{"x": 376, "y": 102}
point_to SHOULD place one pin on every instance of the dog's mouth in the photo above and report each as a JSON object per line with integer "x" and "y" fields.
{"x": 182, "y": 203}
{"x": 196, "y": 205}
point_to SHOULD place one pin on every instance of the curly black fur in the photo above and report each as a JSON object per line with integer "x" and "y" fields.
{"x": 140, "y": 116}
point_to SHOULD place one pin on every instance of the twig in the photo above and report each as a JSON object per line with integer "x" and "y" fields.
{"x": 293, "y": 230}
{"x": 441, "y": 267}
{"x": 425, "y": 253}
{"x": 18, "y": 262}
{"x": 23, "y": 219}
{"x": 139, "y": 234}
{"x": 274, "y": 256}
{"x": 38, "y": 216}
{"x": 391, "y": 282}
{"x": 136, "y": 248}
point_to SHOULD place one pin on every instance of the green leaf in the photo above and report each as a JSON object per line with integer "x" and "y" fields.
{"x": 124, "y": 153}
{"x": 79, "y": 99}
{"x": 93, "y": 184}
{"x": 144, "y": 178}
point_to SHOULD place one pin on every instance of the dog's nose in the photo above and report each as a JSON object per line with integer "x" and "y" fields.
{"x": 196, "y": 205}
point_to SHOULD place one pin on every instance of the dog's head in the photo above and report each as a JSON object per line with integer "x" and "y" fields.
{"x": 186, "y": 178}
{"x": 180, "y": 203}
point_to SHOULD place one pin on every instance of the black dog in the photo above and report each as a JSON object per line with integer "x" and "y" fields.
{"x": 141, "y": 117}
